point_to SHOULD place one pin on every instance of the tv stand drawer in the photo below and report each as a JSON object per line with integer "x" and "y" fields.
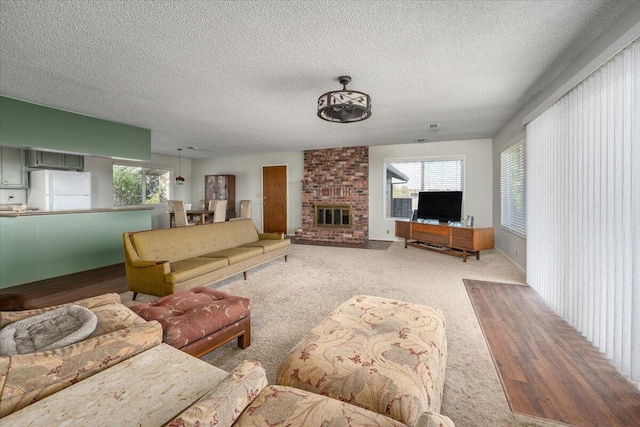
{"x": 430, "y": 233}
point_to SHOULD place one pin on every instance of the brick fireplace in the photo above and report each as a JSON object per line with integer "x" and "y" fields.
{"x": 335, "y": 196}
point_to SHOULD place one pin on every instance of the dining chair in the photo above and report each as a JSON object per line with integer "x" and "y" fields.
{"x": 180, "y": 214}
{"x": 245, "y": 208}
{"x": 171, "y": 209}
{"x": 201, "y": 204}
{"x": 219, "y": 210}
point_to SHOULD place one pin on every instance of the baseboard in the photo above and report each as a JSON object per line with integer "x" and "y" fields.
{"x": 511, "y": 261}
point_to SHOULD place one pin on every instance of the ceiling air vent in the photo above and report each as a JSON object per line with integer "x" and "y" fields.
{"x": 434, "y": 126}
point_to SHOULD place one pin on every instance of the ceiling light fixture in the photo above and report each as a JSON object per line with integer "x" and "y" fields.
{"x": 179, "y": 178}
{"x": 344, "y": 106}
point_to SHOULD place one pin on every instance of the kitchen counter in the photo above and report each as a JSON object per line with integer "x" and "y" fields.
{"x": 30, "y": 212}
{"x": 44, "y": 244}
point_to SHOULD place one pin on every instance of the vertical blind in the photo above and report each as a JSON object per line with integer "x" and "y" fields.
{"x": 583, "y": 221}
{"x": 513, "y": 190}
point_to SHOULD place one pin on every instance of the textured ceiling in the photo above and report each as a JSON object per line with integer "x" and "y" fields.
{"x": 244, "y": 77}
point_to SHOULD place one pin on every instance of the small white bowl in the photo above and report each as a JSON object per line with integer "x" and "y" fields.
{"x": 19, "y": 208}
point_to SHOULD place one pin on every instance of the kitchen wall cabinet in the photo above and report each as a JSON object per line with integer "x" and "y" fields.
{"x": 13, "y": 173}
{"x": 51, "y": 160}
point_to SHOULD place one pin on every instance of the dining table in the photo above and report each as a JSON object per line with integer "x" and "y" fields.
{"x": 202, "y": 214}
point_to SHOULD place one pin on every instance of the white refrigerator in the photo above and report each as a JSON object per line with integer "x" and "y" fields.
{"x": 52, "y": 190}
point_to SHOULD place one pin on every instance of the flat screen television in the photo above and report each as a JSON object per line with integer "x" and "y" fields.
{"x": 440, "y": 205}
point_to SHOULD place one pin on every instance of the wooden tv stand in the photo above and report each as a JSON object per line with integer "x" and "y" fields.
{"x": 456, "y": 241}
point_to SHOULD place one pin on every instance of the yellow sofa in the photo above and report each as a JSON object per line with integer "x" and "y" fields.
{"x": 164, "y": 261}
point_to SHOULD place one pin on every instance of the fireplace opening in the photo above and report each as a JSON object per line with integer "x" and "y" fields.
{"x": 333, "y": 216}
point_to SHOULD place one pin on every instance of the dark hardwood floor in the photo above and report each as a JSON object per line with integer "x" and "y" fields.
{"x": 547, "y": 369}
{"x": 63, "y": 289}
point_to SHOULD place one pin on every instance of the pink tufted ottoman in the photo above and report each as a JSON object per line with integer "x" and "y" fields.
{"x": 200, "y": 320}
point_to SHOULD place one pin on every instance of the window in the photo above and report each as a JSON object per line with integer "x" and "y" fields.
{"x": 405, "y": 179}
{"x": 513, "y": 188}
{"x": 135, "y": 185}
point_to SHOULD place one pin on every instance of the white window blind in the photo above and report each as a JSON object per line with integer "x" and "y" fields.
{"x": 583, "y": 243}
{"x": 513, "y": 188}
{"x": 405, "y": 179}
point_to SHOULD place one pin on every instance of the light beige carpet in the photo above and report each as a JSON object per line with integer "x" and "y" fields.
{"x": 288, "y": 299}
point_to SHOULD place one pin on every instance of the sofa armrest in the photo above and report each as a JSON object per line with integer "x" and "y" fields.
{"x": 271, "y": 236}
{"x": 224, "y": 404}
{"x": 433, "y": 419}
{"x": 8, "y": 317}
{"x": 34, "y": 376}
{"x": 145, "y": 264}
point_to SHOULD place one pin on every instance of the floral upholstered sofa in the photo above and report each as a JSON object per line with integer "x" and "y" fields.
{"x": 119, "y": 335}
{"x": 166, "y": 387}
{"x": 163, "y": 386}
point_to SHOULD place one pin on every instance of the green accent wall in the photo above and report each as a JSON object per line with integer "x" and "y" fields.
{"x": 27, "y": 125}
{"x": 38, "y": 247}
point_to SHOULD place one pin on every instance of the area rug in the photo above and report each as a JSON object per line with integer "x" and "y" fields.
{"x": 288, "y": 299}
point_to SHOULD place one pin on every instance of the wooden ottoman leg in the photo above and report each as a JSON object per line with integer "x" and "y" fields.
{"x": 244, "y": 340}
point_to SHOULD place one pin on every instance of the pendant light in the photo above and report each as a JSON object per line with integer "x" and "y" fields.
{"x": 179, "y": 178}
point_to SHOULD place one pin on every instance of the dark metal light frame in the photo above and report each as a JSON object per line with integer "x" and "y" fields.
{"x": 344, "y": 106}
{"x": 179, "y": 178}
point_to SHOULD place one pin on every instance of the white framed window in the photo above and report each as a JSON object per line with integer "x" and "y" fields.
{"x": 405, "y": 179}
{"x": 137, "y": 185}
{"x": 513, "y": 188}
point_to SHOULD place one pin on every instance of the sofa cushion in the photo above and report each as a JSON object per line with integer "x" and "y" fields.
{"x": 268, "y": 245}
{"x": 194, "y": 314}
{"x": 186, "y": 269}
{"x": 176, "y": 244}
{"x": 148, "y": 389}
{"x": 235, "y": 255}
{"x": 114, "y": 317}
{"x": 223, "y": 404}
{"x": 34, "y": 376}
{"x": 286, "y": 406}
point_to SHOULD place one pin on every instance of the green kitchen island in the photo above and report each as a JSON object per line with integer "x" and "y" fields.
{"x": 37, "y": 245}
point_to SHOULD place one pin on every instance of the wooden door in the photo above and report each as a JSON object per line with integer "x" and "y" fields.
{"x": 274, "y": 199}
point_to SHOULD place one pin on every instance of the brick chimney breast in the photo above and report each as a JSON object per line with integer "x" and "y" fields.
{"x": 336, "y": 177}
